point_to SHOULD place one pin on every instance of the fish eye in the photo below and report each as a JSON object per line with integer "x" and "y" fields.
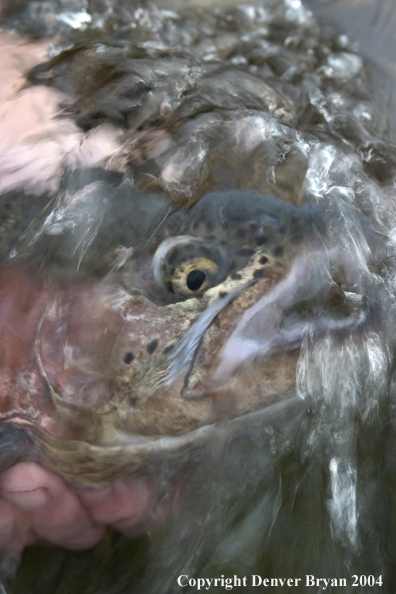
{"x": 195, "y": 279}
{"x": 188, "y": 266}
{"x": 191, "y": 276}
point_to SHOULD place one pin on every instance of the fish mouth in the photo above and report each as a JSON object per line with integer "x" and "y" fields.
{"x": 128, "y": 455}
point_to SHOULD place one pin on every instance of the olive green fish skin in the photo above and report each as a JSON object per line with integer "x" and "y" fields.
{"x": 113, "y": 227}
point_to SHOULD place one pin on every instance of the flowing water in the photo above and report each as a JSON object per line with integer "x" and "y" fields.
{"x": 256, "y": 98}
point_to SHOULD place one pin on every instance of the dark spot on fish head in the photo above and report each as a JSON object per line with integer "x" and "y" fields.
{"x": 278, "y": 251}
{"x": 258, "y": 273}
{"x": 168, "y": 349}
{"x": 263, "y": 260}
{"x": 152, "y": 346}
{"x": 236, "y": 276}
{"x": 133, "y": 401}
{"x": 261, "y": 240}
{"x": 128, "y": 358}
{"x": 223, "y": 294}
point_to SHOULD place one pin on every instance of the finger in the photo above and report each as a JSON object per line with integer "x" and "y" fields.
{"x": 15, "y": 531}
{"x": 123, "y": 505}
{"x": 54, "y": 510}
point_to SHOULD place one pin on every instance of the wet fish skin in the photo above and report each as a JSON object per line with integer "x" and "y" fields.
{"x": 276, "y": 260}
{"x": 101, "y": 352}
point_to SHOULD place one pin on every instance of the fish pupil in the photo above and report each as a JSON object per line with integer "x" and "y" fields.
{"x": 195, "y": 280}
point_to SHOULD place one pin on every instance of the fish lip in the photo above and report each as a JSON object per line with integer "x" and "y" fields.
{"x": 139, "y": 454}
{"x": 266, "y": 414}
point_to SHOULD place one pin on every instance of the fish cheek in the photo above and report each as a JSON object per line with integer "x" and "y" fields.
{"x": 198, "y": 383}
{"x": 77, "y": 337}
{"x": 147, "y": 338}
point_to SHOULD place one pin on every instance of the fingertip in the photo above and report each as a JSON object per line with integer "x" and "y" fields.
{"x": 120, "y": 501}
{"x": 29, "y": 487}
{"x": 28, "y": 476}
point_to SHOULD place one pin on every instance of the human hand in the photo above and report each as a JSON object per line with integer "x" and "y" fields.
{"x": 36, "y": 505}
